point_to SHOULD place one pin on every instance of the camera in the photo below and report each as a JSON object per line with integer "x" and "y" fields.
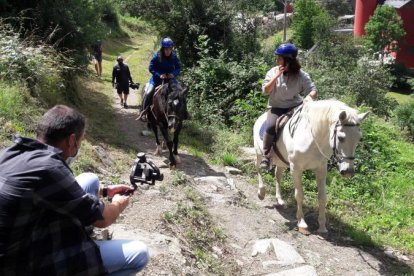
{"x": 134, "y": 85}
{"x": 144, "y": 171}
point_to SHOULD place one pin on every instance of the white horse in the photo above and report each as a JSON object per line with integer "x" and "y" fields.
{"x": 310, "y": 138}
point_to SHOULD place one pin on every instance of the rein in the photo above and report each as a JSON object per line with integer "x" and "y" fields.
{"x": 166, "y": 110}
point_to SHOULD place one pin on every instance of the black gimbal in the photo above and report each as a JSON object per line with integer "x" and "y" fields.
{"x": 144, "y": 171}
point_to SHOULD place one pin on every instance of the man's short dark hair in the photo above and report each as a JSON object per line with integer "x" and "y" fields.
{"x": 59, "y": 122}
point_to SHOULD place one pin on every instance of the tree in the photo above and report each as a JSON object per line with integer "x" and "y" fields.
{"x": 310, "y": 23}
{"x": 384, "y": 30}
{"x": 185, "y": 21}
{"x": 68, "y": 25}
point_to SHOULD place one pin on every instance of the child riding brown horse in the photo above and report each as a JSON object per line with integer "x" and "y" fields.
{"x": 167, "y": 112}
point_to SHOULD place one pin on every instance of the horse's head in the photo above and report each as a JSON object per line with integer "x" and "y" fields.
{"x": 344, "y": 138}
{"x": 176, "y": 106}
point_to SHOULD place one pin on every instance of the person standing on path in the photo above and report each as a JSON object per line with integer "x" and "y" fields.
{"x": 97, "y": 57}
{"x": 44, "y": 209}
{"x": 121, "y": 79}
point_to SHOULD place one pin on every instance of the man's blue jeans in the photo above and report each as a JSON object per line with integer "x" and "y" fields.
{"x": 120, "y": 257}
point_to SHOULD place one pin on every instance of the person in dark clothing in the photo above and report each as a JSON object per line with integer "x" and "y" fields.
{"x": 164, "y": 66}
{"x": 97, "y": 57}
{"x": 122, "y": 76}
{"x": 44, "y": 209}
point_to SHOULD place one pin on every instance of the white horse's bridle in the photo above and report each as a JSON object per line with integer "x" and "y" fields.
{"x": 336, "y": 156}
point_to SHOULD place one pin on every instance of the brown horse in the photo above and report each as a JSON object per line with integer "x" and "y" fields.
{"x": 167, "y": 112}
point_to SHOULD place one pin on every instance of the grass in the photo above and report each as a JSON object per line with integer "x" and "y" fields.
{"x": 401, "y": 98}
{"x": 18, "y": 112}
{"x": 271, "y": 41}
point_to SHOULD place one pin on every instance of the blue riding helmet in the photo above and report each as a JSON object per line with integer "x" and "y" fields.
{"x": 167, "y": 43}
{"x": 286, "y": 49}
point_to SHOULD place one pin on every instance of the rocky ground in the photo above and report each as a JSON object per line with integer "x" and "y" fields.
{"x": 260, "y": 239}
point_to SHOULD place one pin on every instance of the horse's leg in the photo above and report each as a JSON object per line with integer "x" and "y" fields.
{"x": 279, "y": 173}
{"x": 321, "y": 181}
{"x": 297, "y": 181}
{"x": 154, "y": 127}
{"x": 175, "y": 144}
{"x": 164, "y": 131}
{"x": 262, "y": 191}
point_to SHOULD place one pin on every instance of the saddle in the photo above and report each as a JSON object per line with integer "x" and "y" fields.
{"x": 281, "y": 122}
{"x": 279, "y": 125}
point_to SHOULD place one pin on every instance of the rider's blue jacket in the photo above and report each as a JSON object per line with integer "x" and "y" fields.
{"x": 158, "y": 67}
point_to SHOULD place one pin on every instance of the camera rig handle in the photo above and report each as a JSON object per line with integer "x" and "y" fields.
{"x": 144, "y": 171}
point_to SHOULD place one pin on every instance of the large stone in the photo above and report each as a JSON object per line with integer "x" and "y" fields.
{"x": 261, "y": 246}
{"x": 286, "y": 254}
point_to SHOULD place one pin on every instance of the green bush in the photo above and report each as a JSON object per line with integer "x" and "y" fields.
{"x": 39, "y": 67}
{"x": 377, "y": 200}
{"x": 404, "y": 115}
{"x": 217, "y": 83}
{"x": 310, "y": 23}
{"x": 339, "y": 71}
{"x": 67, "y": 25}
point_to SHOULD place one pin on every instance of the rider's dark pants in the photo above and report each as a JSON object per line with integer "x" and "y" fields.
{"x": 148, "y": 98}
{"x": 270, "y": 133}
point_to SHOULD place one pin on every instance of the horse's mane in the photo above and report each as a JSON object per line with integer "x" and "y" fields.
{"x": 323, "y": 113}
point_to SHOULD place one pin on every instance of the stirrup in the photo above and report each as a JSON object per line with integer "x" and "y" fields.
{"x": 143, "y": 115}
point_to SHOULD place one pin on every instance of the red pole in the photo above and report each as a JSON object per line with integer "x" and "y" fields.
{"x": 364, "y": 9}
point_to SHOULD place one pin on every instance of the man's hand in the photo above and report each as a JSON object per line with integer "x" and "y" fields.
{"x": 121, "y": 201}
{"x": 163, "y": 76}
{"x": 170, "y": 76}
{"x": 119, "y": 189}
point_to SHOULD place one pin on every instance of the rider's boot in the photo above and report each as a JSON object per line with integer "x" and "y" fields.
{"x": 143, "y": 114}
{"x": 268, "y": 140}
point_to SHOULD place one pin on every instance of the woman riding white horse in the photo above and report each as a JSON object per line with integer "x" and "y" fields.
{"x": 283, "y": 84}
{"x": 323, "y": 129}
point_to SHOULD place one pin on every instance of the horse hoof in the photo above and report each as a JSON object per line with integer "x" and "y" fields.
{"x": 172, "y": 167}
{"x": 304, "y": 231}
{"x": 322, "y": 230}
{"x": 261, "y": 193}
{"x": 158, "y": 151}
{"x": 280, "y": 202}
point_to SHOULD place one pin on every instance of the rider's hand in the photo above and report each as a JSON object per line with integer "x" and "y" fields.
{"x": 280, "y": 71}
{"x": 307, "y": 99}
{"x": 170, "y": 76}
{"x": 163, "y": 76}
{"x": 119, "y": 189}
{"x": 121, "y": 201}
